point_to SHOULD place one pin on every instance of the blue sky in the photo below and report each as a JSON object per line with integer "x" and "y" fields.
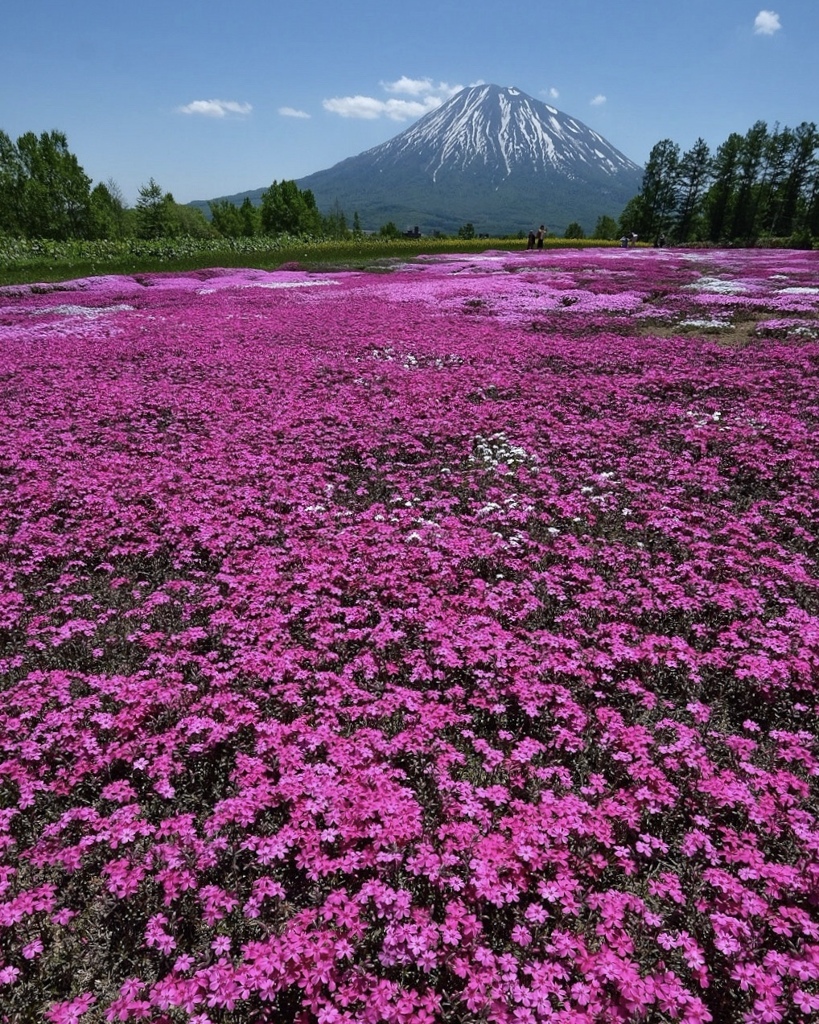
{"x": 210, "y": 98}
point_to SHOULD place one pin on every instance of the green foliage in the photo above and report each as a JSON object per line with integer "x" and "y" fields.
{"x": 763, "y": 185}
{"x": 631, "y": 216}
{"x": 108, "y": 214}
{"x": 232, "y": 221}
{"x": 606, "y": 228}
{"x": 389, "y": 230}
{"x": 190, "y": 223}
{"x": 286, "y": 209}
{"x": 659, "y": 190}
{"x": 693, "y": 177}
{"x": 334, "y": 225}
{"x": 466, "y": 230}
{"x": 574, "y": 230}
{"x": 226, "y": 218}
{"x": 719, "y": 202}
{"x": 801, "y": 239}
{"x": 44, "y": 193}
{"x": 153, "y": 207}
{"x": 33, "y": 260}
{"x": 159, "y": 216}
{"x": 251, "y": 219}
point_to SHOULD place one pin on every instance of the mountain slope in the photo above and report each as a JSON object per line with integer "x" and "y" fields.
{"x": 490, "y": 155}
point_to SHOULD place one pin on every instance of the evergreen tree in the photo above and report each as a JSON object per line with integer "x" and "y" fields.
{"x": 658, "y": 192}
{"x": 334, "y": 225}
{"x": 761, "y": 184}
{"x": 720, "y": 198}
{"x": 153, "y": 220}
{"x": 801, "y": 167}
{"x": 744, "y": 214}
{"x": 812, "y": 208}
{"x": 776, "y": 159}
{"x": 357, "y": 232}
{"x": 251, "y": 218}
{"x": 693, "y": 175}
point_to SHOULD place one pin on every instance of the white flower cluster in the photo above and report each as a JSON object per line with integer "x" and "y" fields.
{"x": 716, "y": 285}
{"x": 86, "y": 312}
{"x": 497, "y": 450}
{"x": 713, "y": 324}
{"x": 707, "y": 419}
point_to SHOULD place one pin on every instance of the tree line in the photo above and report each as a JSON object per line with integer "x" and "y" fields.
{"x": 763, "y": 185}
{"x": 46, "y": 194}
{"x": 758, "y": 186}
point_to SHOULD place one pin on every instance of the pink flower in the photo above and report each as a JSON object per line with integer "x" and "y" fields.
{"x": 69, "y": 1012}
{"x": 376, "y": 618}
{"x": 8, "y": 975}
{"x": 33, "y": 949}
{"x": 804, "y": 1001}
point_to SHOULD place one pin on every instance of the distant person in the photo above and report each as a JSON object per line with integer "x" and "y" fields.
{"x": 541, "y": 234}
{"x": 531, "y": 243}
{"x": 624, "y": 242}
{"x": 633, "y": 237}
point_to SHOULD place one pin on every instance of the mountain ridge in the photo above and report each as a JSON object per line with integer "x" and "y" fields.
{"x": 490, "y": 155}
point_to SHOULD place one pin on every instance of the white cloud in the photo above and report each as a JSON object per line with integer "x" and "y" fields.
{"x": 369, "y": 109}
{"x": 766, "y": 23}
{"x": 553, "y": 93}
{"x": 598, "y": 100}
{"x": 215, "y": 108}
{"x": 424, "y": 95}
{"x": 292, "y": 112}
{"x": 421, "y": 87}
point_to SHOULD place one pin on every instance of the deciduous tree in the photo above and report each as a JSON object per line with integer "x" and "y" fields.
{"x": 108, "y": 217}
{"x": 286, "y": 209}
{"x": 606, "y": 228}
{"x": 43, "y": 187}
{"x": 226, "y": 218}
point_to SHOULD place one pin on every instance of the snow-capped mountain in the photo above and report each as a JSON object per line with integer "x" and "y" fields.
{"x": 491, "y": 156}
{"x": 502, "y": 133}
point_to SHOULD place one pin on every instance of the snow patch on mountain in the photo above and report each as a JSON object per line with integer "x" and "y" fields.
{"x": 501, "y": 128}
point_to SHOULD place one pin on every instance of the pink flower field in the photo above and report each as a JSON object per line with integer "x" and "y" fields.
{"x": 435, "y": 645}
